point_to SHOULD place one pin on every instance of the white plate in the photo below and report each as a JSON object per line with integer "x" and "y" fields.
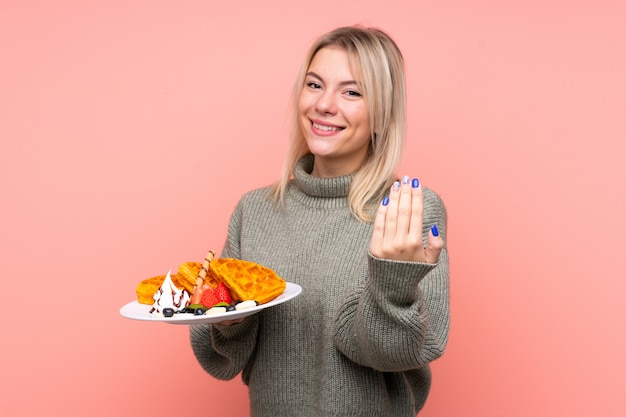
{"x": 137, "y": 311}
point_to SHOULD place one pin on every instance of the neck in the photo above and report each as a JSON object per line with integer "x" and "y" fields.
{"x": 336, "y": 167}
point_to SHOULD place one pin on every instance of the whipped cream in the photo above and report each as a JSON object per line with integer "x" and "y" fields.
{"x": 169, "y": 296}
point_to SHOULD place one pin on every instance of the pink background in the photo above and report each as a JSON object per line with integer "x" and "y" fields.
{"x": 129, "y": 129}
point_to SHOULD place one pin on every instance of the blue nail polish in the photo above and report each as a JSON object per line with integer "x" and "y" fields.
{"x": 405, "y": 179}
{"x": 434, "y": 230}
{"x": 396, "y": 185}
{"x": 415, "y": 183}
{"x": 385, "y": 200}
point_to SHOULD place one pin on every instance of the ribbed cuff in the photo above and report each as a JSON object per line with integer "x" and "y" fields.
{"x": 397, "y": 281}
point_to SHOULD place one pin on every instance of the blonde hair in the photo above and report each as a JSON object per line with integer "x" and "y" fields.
{"x": 379, "y": 68}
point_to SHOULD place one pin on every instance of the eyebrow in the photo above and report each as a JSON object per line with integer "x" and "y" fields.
{"x": 343, "y": 83}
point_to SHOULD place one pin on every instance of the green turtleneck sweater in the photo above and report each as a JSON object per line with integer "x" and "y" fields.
{"x": 359, "y": 339}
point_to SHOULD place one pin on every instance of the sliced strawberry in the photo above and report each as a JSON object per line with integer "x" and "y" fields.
{"x": 222, "y": 294}
{"x": 208, "y": 297}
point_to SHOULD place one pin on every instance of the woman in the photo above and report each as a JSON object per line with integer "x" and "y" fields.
{"x": 368, "y": 250}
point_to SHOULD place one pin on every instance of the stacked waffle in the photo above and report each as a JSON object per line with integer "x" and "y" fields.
{"x": 246, "y": 280}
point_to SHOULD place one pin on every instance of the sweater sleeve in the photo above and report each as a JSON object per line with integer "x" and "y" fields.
{"x": 398, "y": 318}
{"x": 223, "y": 351}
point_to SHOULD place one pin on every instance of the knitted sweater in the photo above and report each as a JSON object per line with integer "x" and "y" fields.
{"x": 359, "y": 339}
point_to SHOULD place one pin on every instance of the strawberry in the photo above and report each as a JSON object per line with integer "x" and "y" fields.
{"x": 222, "y": 294}
{"x": 208, "y": 297}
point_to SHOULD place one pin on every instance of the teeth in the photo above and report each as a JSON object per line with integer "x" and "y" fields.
{"x": 324, "y": 127}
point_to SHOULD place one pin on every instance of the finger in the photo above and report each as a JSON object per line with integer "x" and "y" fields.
{"x": 378, "y": 234}
{"x": 404, "y": 212}
{"x": 391, "y": 215}
{"x": 435, "y": 245}
{"x": 231, "y": 322}
{"x": 417, "y": 210}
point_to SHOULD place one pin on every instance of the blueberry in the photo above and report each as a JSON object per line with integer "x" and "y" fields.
{"x": 168, "y": 312}
{"x": 198, "y": 312}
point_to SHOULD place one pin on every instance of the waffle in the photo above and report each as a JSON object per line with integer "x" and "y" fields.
{"x": 246, "y": 280}
{"x": 188, "y": 274}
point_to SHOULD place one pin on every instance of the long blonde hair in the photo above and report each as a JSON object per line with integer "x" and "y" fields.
{"x": 379, "y": 67}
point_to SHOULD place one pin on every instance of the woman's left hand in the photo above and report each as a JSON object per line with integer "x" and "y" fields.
{"x": 397, "y": 231}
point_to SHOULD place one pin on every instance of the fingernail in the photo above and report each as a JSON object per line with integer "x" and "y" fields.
{"x": 396, "y": 185}
{"x": 415, "y": 183}
{"x": 434, "y": 230}
{"x": 385, "y": 200}
{"x": 405, "y": 179}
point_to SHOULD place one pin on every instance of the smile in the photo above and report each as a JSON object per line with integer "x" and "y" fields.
{"x": 326, "y": 128}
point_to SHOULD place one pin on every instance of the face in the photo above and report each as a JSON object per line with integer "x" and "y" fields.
{"x": 333, "y": 114}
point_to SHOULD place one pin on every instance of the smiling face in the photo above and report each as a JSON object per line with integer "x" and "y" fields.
{"x": 333, "y": 114}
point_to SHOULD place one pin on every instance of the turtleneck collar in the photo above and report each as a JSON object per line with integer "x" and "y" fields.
{"x": 312, "y": 188}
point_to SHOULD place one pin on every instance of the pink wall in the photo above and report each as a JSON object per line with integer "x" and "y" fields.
{"x": 130, "y": 128}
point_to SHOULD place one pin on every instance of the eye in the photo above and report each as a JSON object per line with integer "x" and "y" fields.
{"x": 353, "y": 93}
{"x": 313, "y": 85}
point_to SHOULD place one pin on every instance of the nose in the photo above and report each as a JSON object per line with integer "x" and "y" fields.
{"x": 326, "y": 103}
